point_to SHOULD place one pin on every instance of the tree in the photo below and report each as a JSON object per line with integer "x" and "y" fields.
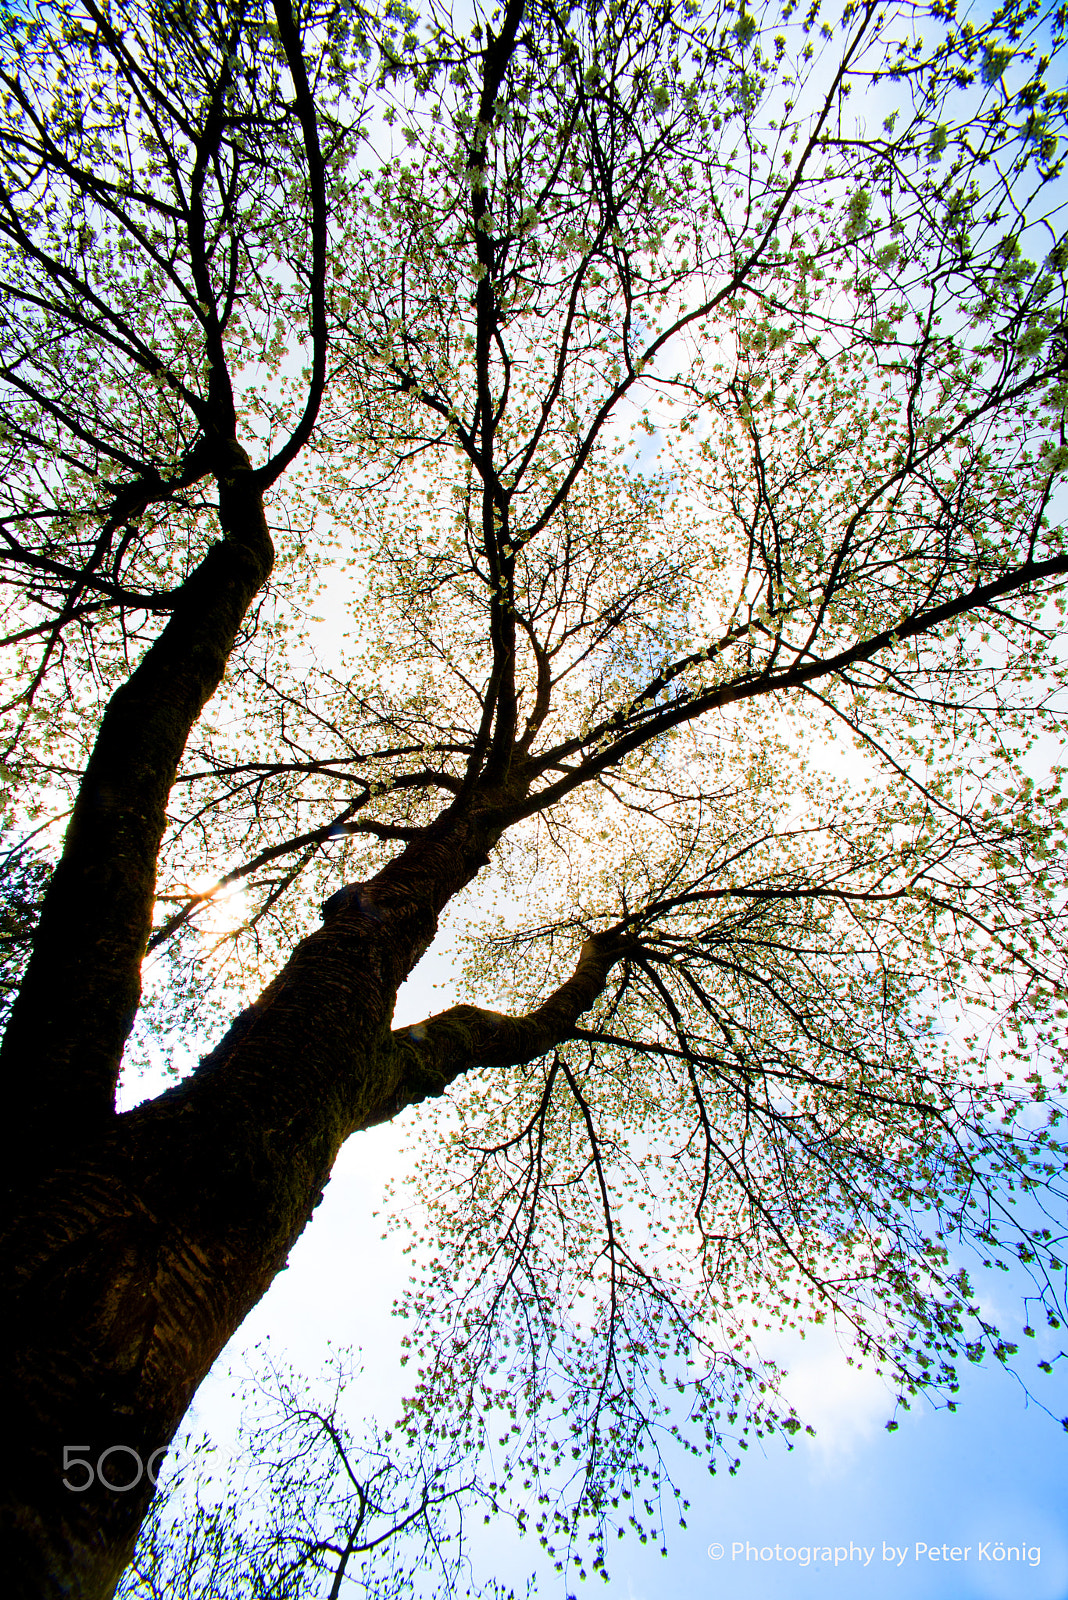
{"x": 661, "y": 415}
{"x": 333, "y": 1510}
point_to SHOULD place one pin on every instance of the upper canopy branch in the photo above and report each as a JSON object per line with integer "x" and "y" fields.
{"x": 316, "y": 169}
{"x": 608, "y": 747}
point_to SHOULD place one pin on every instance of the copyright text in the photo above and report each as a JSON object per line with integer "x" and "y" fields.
{"x": 805, "y": 1555}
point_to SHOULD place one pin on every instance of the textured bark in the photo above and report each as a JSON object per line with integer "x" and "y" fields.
{"x": 435, "y": 1052}
{"x": 136, "y": 1257}
{"x": 64, "y": 1039}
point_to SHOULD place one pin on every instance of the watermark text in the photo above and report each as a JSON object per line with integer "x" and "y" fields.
{"x": 863, "y": 1555}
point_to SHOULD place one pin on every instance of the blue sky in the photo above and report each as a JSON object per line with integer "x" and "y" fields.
{"x": 993, "y": 1476}
{"x": 996, "y": 1471}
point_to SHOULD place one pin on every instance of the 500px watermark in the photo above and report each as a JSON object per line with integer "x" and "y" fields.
{"x": 106, "y": 1469}
{"x": 805, "y": 1555}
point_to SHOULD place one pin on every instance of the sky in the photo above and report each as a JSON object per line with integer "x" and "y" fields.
{"x": 994, "y": 1474}
{"x": 929, "y": 1512}
{"x": 854, "y": 1512}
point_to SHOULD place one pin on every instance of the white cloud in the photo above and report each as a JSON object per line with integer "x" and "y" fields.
{"x": 847, "y": 1405}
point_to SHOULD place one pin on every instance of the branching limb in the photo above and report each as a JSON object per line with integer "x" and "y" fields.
{"x": 435, "y": 1052}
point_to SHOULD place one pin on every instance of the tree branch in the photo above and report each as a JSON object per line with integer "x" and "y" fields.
{"x": 435, "y": 1052}
{"x": 60, "y": 1062}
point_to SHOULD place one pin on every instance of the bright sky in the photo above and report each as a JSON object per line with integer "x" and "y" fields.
{"x": 857, "y": 1512}
{"x": 994, "y": 1476}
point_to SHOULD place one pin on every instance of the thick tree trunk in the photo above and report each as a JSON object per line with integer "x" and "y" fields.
{"x": 132, "y": 1261}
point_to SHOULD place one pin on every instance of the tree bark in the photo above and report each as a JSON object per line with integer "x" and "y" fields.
{"x": 136, "y": 1256}
{"x": 77, "y": 1002}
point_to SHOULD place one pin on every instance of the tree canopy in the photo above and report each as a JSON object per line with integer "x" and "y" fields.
{"x": 594, "y": 469}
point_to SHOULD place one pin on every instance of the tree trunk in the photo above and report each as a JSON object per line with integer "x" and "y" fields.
{"x": 134, "y": 1258}
{"x": 132, "y": 1262}
{"x": 64, "y": 1039}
